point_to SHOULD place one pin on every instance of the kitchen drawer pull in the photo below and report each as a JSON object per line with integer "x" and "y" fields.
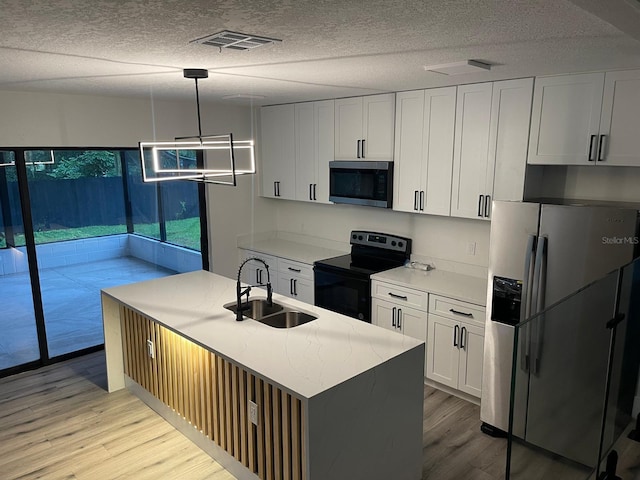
{"x": 399, "y": 322}
{"x": 393, "y": 317}
{"x": 480, "y": 198}
{"x": 470, "y": 315}
{"x": 415, "y": 200}
{"x": 363, "y": 148}
{"x": 358, "y": 150}
{"x": 591, "y": 140}
{"x": 455, "y": 335}
{"x": 487, "y": 202}
{"x": 297, "y": 270}
{"x": 401, "y": 297}
{"x": 600, "y": 159}
{"x": 463, "y": 337}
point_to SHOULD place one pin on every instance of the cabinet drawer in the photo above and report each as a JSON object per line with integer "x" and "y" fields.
{"x": 457, "y": 310}
{"x": 399, "y": 295}
{"x": 296, "y": 269}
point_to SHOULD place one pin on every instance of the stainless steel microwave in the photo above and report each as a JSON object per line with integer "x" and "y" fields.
{"x": 361, "y": 183}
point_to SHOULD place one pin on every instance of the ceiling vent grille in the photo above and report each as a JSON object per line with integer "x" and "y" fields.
{"x": 235, "y": 40}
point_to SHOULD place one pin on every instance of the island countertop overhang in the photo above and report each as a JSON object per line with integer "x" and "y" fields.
{"x": 306, "y": 360}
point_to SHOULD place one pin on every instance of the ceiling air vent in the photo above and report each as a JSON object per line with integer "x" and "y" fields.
{"x": 235, "y": 40}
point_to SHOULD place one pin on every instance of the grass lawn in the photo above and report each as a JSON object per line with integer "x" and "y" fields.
{"x": 185, "y": 233}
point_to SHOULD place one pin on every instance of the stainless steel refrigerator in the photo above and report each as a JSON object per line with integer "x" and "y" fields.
{"x": 539, "y": 254}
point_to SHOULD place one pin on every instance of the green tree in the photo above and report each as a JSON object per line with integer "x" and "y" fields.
{"x": 90, "y": 163}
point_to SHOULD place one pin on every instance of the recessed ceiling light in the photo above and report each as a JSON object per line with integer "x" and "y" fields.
{"x": 235, "y": 40}
{"x": 459, "y": 68}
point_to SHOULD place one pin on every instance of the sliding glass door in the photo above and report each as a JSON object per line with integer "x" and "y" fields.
{"x": 19, "y": 340}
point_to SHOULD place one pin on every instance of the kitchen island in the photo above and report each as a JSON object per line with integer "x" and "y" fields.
{"x": 334, "y": 398}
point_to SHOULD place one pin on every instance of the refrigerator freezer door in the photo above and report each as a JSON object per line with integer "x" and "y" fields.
{"x": 513, "y": 224}
{"x": 584, "y": 244}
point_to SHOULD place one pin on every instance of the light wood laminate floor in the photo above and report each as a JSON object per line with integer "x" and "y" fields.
{"x": 60, "y": 423}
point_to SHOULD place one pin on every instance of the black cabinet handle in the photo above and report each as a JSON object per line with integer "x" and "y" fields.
{"x": 363, "y": 148}
{"x": 393, "y": 317}
{"x": 399, "y": 318}
{"x": 415, "y": 200}
{"x": 297, "y": 270}
{"x": 487, "y": 202}
{"x": 401, "y": 297}
{"x": 291, "y": 286}
{"x": 310, "y": 191}
{"x": 463, "y": 337}
{"x": 422, "y": 200}
{"x": 314, "y": 191}
{"x": 455, "y": 336}
{"x": 591, "y": 140}
{"x": 480, "y": 199}
{"x": 470, "y": 315}
{"x": 600, "y": 159}
{"x": 358, "y": 150}
{"x": 295, "y": 287}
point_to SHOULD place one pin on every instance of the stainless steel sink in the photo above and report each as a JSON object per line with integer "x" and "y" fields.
{"x": 276, "y": 315}
{"x": 256, "y": 308}
{"x": 286, "y": 319}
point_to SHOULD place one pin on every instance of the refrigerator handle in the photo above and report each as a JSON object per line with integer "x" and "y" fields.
{"x": 525, "y": 305}
{"x": 540, "y": 284}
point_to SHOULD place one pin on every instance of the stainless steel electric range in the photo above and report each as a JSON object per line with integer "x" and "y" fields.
{"x": 342, "y": 284}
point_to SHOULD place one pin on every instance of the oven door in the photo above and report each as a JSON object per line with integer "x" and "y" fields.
{"x": 343, "y": 291}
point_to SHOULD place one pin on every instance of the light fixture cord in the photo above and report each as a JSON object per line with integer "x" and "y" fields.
{"x": 198, "y": 106}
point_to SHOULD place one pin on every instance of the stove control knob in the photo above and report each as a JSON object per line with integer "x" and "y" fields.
{"x": 359, "y": 237}
{"x": 400, "y": 244}
{"x": 354, "y": 236}
{"x": 393, "y": 243}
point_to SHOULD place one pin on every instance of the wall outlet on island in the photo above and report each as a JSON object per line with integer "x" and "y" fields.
{"x": 253, "y": 412}
{"x": 471, "y": 248}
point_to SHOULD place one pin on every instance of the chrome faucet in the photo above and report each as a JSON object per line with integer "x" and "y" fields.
{"x": 240, "y": 292}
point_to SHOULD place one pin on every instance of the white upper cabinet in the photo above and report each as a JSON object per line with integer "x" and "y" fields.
{"x": 314, "y": 134}
{"x": 364, "y": 127}
{"x": 565, "y": 119}
{"x": 588, "y": 119}
{"x": 490, "y": 150}
{"x": 471, "y": 150}
{"x": 619, "y": 142}
{"x": 278, "y": 151}
{"x": 425, "y": 126}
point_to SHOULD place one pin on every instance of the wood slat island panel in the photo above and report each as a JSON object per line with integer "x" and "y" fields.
{"x": 213, "y": 395}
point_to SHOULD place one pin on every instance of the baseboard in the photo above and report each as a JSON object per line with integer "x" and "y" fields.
{"x": 452, "y": 391}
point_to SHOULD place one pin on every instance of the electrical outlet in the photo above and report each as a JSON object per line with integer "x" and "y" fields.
{"x": 253, "y": 412}
{"x": 471, "y": 248}
{"x": 150, "y": 350}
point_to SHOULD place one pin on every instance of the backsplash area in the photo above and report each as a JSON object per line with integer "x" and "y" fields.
{"x": 444, "y": 241}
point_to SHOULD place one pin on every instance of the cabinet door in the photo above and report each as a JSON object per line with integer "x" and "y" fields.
{"x": 413, "y": 323}
{"x": 620, "y": 119}
{"x": 278, "y": 151}
{"x": 509, "y": 138}
{"x": 442, "y": 350}
{"x": 378, "y": 113}
{"x": 305, "y": 151}
{"x": 296, "y": 287}
{"x": 471, "y": 358}
{"x": 438, "y": 137}
{"x": 383, "y": 314}
{"x": 565, "y": 118}
{"x": 473, "y": 118}
{"x": 324, "y": 147}
{"x": 348, "y": 128}
{"x": 408, "y": 170}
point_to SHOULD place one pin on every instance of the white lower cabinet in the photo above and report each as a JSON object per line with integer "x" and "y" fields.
{"x": 289, "y": 278}
{"x": 399, "y": 309}
{"x": 455, "y": 344}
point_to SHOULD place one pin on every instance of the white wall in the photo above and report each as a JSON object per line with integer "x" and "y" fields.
{"x": 433, "y": 236}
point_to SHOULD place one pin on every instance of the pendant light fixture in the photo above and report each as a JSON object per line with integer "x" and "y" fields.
{"x": 202, "y": 158}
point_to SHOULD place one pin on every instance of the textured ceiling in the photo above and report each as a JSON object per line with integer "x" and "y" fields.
{"x": 330, "y": 48}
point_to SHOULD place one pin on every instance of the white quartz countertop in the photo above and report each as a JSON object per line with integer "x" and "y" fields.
{"x": 299, "y": 252}
{"x": 306, "y": 360}
{"x": 440, "y": 282}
